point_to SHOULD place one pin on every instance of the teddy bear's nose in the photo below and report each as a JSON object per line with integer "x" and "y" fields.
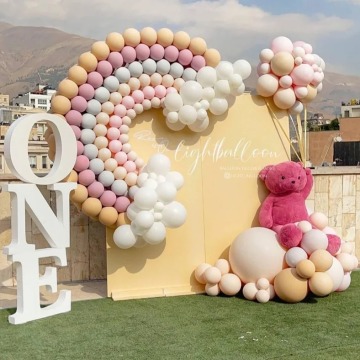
{"x": 293, "y": 182}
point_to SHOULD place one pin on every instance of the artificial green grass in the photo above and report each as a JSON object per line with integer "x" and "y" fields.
{"x": 192, "y": 327}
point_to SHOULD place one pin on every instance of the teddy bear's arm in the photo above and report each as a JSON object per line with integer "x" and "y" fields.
{"x": 265, "y": 214}
{"x": 309, "y": 183}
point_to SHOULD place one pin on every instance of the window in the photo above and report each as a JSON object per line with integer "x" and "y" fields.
{"x": 1, "y": 163}
{"x": 44, "y": 161}
{"x": 32, "y": 161}
{"x": 42, "y": 101}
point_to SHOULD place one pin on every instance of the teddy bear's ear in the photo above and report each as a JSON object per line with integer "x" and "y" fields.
{"x": 263, "y": 173}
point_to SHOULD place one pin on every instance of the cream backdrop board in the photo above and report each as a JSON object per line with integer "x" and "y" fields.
{"x": 221, "y": 193}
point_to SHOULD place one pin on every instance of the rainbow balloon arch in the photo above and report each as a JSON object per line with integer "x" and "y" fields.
{"x": 128, "y": 73}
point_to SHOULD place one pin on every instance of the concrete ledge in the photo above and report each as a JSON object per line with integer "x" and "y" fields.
{"x": 335, "y": 170}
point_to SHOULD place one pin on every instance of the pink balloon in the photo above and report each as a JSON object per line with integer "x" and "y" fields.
{"x": 185, "y": 57}
{"x": 79, "y": 147}
{"x": 115, "y": 120}
{"x": 129, "y": 54}
{"x": 138, "y": 96}
{"x": 78, "y": 103}
{"x": 96, "y": 189}
{"x": 115, "y": 146}
{"x": 157, "y": 52}
{"x": 104, "y": 68}
{"x": 86, "y": 177}
{"x": 76, "y": 131}
{"x": 121, "y": 204}
{"x": 115, "y": 59}
{"x": 120, "y": 110}
{"x": 282, "y": 43}
{"x": 113, "y": 133}
{"x": 198, "y": 62}
{"x": 86, "y": 91}
{"x": 128, "y": 102}
{"x": 171, "y": 89}
{"x": 121, "y": 157}
{"x": 171, "y": 53}
{"x": 160, "y": 91}
{"x": 73, "y": 117}
{"x": 108, "y": 198}
{"x": 302, "y": 75}
{"x": 149, "y": 92}
{"x": 95, "y": 79}
{"x": 142, "y": 52}
{"x": 81, "y": 163}
{"x": 130, "y": 166}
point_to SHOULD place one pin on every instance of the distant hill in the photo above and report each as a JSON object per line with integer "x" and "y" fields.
{"x": 31, "y": 55}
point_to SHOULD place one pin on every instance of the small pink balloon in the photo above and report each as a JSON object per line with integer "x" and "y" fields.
{"x": 79, "y": 148}
{"x": 73, "y": 117}
{"x": 285, "y": 81}
{"x": 142, "y": 52}
{"x": 96, "y": 189}
{"x": 149, "y": 92}
{"x": 104, "y": 68}
{"x": 113, "y": 133}
{"x": 170, "y": 90}
{"x": 185, "y": 57}
{"x": 115, "y": 121}
{"x": 138, "y": 96}
{"x": 86, "y": 177}
{"x": 198, "y": 62}
{"x": 121, "y": 204}
{"x": 130, "y": 166}
{"x": 282, "y": 43}
{"x": 121, "y": 157}
{"x": 128, "y": 102}
{"x": 157, "y": 52}
{"x": 171, "y": 53}
{"x": 108, "y": 198}
{"x": 115, "y": 59}
{"x": 86, "y": 91}
{"x": 81, "y": 163}
{"x": 95, "y": 79}
{"x": 79, "y": 103}
{"x": 115, "y": 146}
{"x": 302, "y": 75}
{"x": 160, "y": 91}
{"x": 77, "y": 131}
{"x": 129, "y": 54}
{"x": 120, "y": 110}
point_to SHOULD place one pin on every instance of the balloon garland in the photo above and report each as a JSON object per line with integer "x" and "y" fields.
{"x": 103, "y": 93}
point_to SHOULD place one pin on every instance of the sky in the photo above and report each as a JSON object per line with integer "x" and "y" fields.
{"x": 239, "y": 29}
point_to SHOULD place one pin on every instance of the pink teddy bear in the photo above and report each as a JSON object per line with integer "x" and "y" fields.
{"x": 289, "y": 184}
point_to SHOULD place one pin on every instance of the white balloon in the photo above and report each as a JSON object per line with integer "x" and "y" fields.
{"x": 166, "y": 192}
{"x": 218, "y": 106}
{"x": 156, "y": 234}
{"x": 173, "y": 102}
{"x": 222, "y": 88}
{"x": 174, "y": 215}
{"x": 176, "y": 178}
{"x": 191, "y": 92}
{"x": 159, "y": 164}
{"x": 206, "y": 76}
{"x": 189, "y": 74}
{"x": 144, "y": 219}
{"x": 172, "y": 117}
{"x": 187, "y": 114}
{"x": 208, "y": 94}
{"x": 132, "y": 210}
{"x": 199, "y": 125}
{"x": 224, "y": 70}
{"x": 243, "y": 68}
{"x": 123, "y": 237}
{"x": 295, "y": 255}
{"x": 175, "y": 126}
{"x": 145, "y": 198}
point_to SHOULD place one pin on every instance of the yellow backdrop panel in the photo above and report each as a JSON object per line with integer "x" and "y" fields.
{"x": 221, "y": 193}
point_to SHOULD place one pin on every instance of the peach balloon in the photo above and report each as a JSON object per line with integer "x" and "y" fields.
{"x": 131, "y": 37}
{"x": 230, "y": 284}
{"x": 122, "y": 220}
{"x": 212, "y": 289}
{"x": 181, "y": 40}
{"x": 100, "y": 49}
{"x": 304, "y": 226}
{"x": 305, "y": 268}
{"x": 115, "y": 41}
{"x": 312, "y": 92}
{"x": 319, "y": 220}
{"x": 68, "y": 88}
{"x": 148, "y": 36}
{"x": 165, "y": 37}
{"x": 346, "y": 261}
{"x": 289, "y": 286}
{"x": 322, "y": 260}
{"x": 249, "y": 291}
{"x": 282, "y": 63}
{"x": 345, "y": 283}
{"x": 199, "y": 272}
{"x": 321, "y": 284}
{"x": 212, "y": 275}
{"x": 108, "y": 216}
{"x": 79, "y": 195}
{"x": 267, "y": 85}
{"x": 336, "y": 272}
{"x": 284, "y": 98}
{"x": 262, "y": 296}
{"x": 77, "y": 74}
{"x": 88, "y": 61}
{"x": 72, "y": 177}
{"x": 223, "y": 265}
{"x": 262, "y": 284}
{"x": 91, "y": 207}
{"x": 212, "y": 57}
{"x": 60, "y": 104}
{"x": 197, "y": 46}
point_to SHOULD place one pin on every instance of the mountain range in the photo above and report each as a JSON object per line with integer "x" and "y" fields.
{"x": 32, "y": 55}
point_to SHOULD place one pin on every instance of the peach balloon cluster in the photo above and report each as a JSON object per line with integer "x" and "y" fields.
{"x": 267, "y": 270}
{"x": 290, "y": 74}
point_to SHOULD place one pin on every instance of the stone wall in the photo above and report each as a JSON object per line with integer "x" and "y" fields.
{"x": 336, "y": 193}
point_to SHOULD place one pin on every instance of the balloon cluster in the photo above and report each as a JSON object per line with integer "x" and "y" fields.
{"x": 289, "y": 73}
{"x": 266, "y": 269}
{"x": 118, "y": 79}
{"x": 154, "y": 207}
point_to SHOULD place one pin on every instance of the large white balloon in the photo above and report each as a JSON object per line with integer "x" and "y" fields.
{"x": 156, "y": 234}
{"x": 123, "y": 237}
{"x": 174, "y": 215}
{"x": 243, "y": 68}
{"x": 159, "y": 164}
{"x": 206, "y": 76}
{"x": 145, "y": 198}
{"x": 191, "y": 92}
